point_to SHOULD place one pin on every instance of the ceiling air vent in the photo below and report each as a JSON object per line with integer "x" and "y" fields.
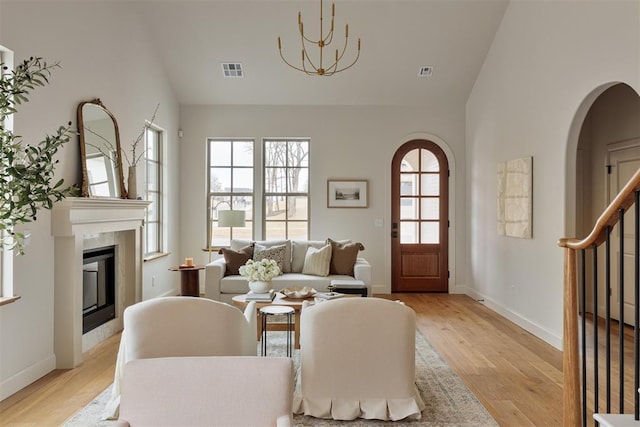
{"x": 232, "y": 69}
{"x": 425, "y": 71}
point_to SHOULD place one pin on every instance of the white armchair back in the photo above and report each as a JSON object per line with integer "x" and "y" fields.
{"x": 358, "y": 360}
{"x": 188, "y": 326}
{"x": 178, "y": 327}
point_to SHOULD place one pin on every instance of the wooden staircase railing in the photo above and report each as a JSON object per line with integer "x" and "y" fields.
{"x": 574, "y": 360}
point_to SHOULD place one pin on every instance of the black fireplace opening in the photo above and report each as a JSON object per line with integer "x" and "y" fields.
{"x": 98, "y": 287}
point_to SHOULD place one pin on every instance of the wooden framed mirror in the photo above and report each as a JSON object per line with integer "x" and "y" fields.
{"x": 100, "y": 157}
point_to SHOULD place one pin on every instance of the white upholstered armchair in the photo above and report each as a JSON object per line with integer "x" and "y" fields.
{"x": 357, "y": 359}
{"x": 182, "y": 326}
{"x": 207, "y": 391}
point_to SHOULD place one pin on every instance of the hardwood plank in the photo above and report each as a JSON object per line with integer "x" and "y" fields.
{"x": 514, "y": 374}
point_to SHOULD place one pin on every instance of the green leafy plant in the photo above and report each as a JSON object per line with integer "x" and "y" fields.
{"x": 26, "y": 170}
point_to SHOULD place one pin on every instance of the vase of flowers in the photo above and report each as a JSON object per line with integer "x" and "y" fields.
{"x": 259, "y": 274}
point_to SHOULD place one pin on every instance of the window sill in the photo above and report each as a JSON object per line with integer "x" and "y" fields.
{"x": 8, "y": 300}
{"x": 155, "y": 256}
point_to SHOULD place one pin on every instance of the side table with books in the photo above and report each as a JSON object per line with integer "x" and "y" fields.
{"x": 241, "y": 302}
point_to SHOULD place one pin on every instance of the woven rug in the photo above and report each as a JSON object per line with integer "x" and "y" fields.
{"x": 448, "y": 401}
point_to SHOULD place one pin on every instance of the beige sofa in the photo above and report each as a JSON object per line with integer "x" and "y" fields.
{"x": 221, "y": 287}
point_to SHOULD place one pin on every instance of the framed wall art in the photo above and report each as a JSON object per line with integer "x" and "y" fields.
{"x": 347, "y": 194}
{"x": 515, "y": 198}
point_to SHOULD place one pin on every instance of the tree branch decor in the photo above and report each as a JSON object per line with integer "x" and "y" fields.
{"x": 26, "y": 171}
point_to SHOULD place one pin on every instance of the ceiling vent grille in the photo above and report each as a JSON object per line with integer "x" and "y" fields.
{"x": 425, "y": 71}
{"x": 232, "y": 70}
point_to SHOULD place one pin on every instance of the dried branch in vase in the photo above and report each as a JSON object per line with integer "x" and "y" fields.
{"x": 137, "y": 152}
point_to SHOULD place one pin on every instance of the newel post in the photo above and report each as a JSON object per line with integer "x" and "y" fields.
{"x": 570, "y": 357}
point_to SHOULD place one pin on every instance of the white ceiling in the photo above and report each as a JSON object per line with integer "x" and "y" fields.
{"x": 398, "y": 36}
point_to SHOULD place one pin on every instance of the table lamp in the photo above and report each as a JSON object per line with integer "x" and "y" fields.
{"x": 228, "y": 218}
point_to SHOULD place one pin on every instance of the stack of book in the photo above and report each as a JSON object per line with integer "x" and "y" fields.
{"x": 324, "y": 296}
{"x": 261, "y": 296}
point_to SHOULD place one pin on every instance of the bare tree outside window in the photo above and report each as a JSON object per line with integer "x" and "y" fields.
{"x": 286, "y": 188}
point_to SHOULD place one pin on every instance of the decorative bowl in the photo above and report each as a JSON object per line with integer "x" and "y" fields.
{"x": 298, "y": 292}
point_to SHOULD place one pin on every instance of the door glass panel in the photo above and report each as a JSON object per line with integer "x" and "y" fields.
{"x": 410, "y": 160}
{"x": 430, "y": 232}
{"x": 408, "y": 232}
{"x": 430, "y": 184}
{"x": 429, "y": 162}
{"x": 408, "y": 186}
{"x": 405, "y": 166}
{"x": 409, "y": 208}
{"x": 430, "y": 208}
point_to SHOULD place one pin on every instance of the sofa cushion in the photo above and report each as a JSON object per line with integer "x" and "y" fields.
{"x": 343, "y": 256}
{"x": 275, "y": 253}
{"x": 317, "y": 261}
{"x": 299, "y": 252}
{"x": 236, "y": 244}
{"x": 236, "y": 259}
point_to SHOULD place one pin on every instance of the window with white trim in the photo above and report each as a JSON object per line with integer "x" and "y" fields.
{"x": 230, "y": 185}
{"x": 153, "y": 157}
{"x": 6, "y": 256}
{"x": 286, "y": 189}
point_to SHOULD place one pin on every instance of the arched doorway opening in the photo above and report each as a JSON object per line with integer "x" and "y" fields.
{"x": 420, "y": 218}
{"x": 607, "y": 155}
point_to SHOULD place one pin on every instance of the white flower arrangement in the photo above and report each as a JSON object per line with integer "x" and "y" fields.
{"x": 263, "y": 271}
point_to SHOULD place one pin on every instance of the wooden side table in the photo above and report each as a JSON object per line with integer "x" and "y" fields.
{"x": 189, "y": 279}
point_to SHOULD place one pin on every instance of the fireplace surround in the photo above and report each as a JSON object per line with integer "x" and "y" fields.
{"x": 98, "y": 287}
{"x": 78, "y": 224}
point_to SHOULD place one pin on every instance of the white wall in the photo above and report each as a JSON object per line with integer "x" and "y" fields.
{"x": 346, "y": 142}
{"x": 546, "y": 59}
{"x": 103, "y": 53}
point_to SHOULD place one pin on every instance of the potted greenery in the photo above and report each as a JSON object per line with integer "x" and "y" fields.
{"x": 26, "y": 170}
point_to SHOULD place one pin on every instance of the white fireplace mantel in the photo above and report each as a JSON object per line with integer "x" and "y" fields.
{"x": 72, "y": 219}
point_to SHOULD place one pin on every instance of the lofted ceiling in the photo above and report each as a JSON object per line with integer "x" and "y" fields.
{"x": 398, "y": 37}
{"x": 193, "y": 38}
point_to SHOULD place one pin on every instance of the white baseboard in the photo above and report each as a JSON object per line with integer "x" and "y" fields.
{"x": 27, "y": 376}
{"x": 529, "y": 326}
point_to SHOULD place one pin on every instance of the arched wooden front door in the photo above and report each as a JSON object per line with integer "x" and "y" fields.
{"x": 419, "y": 218}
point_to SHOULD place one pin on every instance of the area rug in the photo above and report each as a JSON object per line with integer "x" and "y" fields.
{"x": 448, "y": 400}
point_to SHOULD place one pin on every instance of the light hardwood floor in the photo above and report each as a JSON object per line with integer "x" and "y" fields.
{"x": 515, "y": 375}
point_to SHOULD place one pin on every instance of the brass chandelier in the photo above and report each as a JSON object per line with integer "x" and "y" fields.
{"x": 308, "y": 66}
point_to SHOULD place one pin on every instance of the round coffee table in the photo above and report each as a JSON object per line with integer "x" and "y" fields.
{"x": 241, "y": 302}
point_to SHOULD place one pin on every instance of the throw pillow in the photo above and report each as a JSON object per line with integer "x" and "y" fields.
{"x": 316, "y": 261}
{"x": 276, "y": 253}
{"x": 343, "y": 257}
{"x": 299, "y": 251}
{"x": 236, "y": 259}
{"x": 238, "y": 243}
